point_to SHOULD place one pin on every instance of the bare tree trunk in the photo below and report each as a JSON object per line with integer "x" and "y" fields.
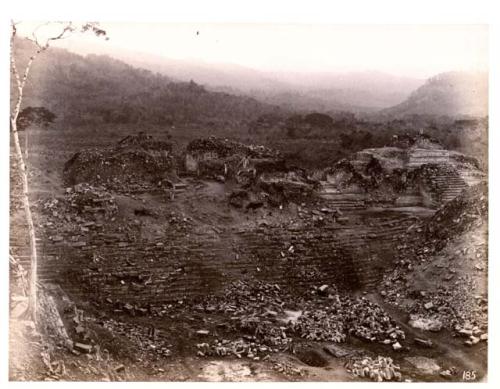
{"x": 29, "y": 220}
{"x": 68, "y": 29}
{"x": 32, "y": 306}
{"x": 26, "y": 149}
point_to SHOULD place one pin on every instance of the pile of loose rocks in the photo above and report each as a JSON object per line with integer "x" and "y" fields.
{"x": 342, "y": 316}
{"x": 148, "y": 340}
{"x": 244, "y": 347}
{"x": 379, "y": 369}
{"x": 262, "y": 312}
{"x": 84, "y": 208}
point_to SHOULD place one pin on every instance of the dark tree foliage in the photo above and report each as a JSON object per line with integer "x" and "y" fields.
{"x": 319, "y": 120}
{"x": 320, "y": 147}
{"x": 39, "y": 116}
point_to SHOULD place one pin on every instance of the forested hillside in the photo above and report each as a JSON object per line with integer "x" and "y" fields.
{"x": 99, "y": 89}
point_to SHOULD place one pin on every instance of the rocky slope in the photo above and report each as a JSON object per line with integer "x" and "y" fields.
{"x": 441, "y": 276}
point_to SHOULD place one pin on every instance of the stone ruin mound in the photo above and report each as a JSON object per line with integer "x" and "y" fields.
{"x": 418, "y": 172}
{"x": 222, "y": 159}
{"x": 260, "y": 174}
{"x": 136, "y": 163}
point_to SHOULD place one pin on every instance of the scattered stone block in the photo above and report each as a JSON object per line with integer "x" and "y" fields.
{"x": 424, "y": 342}
{"x": 120, "y": 368}
{"x": 429, "y": 305}
{"x": 82, "y": 347}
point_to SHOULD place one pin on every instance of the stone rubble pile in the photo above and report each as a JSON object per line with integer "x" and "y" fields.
{"x": 247, "y": 348}
{"x": 260, "y": 310}
{"x": 320, "y": 325}
{"x": 379, "y": 369}
{"x": 288, "y": 369}
{"x": 147, "y": 340}
{"x": 85, "y": 209}
{"x": 86, "y": 199}
{"x": 253, "y": 309}
{"x": 345, "y": 315}
{"x": 82, "y": 203}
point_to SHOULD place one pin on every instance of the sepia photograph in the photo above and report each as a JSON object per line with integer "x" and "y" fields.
{"x": 247, "y": 201}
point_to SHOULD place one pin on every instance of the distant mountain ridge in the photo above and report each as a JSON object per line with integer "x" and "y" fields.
{"x": 326, "y": 92}
{"x": 96, "y": 89}
{"x": 446, "y": 94}
{"x": 361, "y": 91}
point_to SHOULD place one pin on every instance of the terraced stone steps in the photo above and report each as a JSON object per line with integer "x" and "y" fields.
{"x": 449, "y": 185}
{"x": 343, "y": 201}
{"x": 192, "y": 266}
{"x": 419, "y": 157}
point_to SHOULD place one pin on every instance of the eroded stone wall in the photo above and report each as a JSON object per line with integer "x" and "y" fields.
{"x": 189, "y": 265}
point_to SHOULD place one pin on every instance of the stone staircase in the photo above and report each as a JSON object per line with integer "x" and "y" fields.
{"x": 448, "y": 185}
{"x": 419, "y": 157}
{"x": 342, "y": 201}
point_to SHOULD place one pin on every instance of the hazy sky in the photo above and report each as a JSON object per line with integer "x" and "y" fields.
{"x": 413, "y": 50}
